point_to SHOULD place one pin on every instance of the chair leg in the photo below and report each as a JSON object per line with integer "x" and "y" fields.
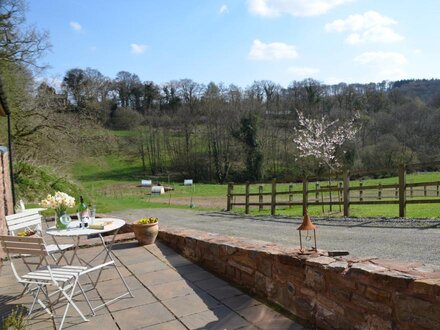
{"x": 87, "y": 299}
{"x": 70, "y": 302}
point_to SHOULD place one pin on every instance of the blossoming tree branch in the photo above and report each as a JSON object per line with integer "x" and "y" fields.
{"x": 322, "y": 138}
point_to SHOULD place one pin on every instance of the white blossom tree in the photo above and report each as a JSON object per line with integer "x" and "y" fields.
{"x": 322, "y": 139}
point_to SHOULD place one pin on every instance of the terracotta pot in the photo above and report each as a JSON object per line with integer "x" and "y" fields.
{"x": 145, "y": 233}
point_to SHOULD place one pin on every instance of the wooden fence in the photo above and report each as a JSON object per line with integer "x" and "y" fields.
{"x": 341, "y": 193}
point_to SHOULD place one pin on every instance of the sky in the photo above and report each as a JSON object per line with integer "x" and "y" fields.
{"x": 242, "y": 41}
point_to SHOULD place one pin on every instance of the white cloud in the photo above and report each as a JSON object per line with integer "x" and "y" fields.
{"x": 368, "y": 27}
{"x": 272, "y": 51}
{"x": 381, "y": 58}
{"x": 223, "y": 10}
{"x": 75, "y": 26}
{"x": 387, "y": 65}
{"x": 274, "y": 8}
{"x": 302, "y": 71}
{"x": 137, "y": 48}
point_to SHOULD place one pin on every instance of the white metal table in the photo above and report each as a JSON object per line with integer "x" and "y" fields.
{"x": 75, "y": 233}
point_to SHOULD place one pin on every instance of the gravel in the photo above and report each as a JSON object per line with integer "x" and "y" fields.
{"x": 385, "y": 238}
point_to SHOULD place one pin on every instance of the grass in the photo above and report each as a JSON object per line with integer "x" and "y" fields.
{"x": 111, "y": 183}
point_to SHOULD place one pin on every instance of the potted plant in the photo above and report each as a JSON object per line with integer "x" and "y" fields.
{"x": 146, "y": 229}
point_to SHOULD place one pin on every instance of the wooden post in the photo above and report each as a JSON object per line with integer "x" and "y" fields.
{"x": 260, "y": 198}
{"x": 317, "y": 192}
{"x": 229, "y": 196}
{"x": 274, "y": 197}
{"x": 361, "y": 192}
{"x": 402, "y": 191}
{"x": 396, "y": 193}
{"x": 346, "y": 194}
{"x": 340, "y": 192}
{"x": 246, "y": 207}
{"x": 305, "y": 195}
{"x": 411, "y": 191}
{"x": 438, "y": 190}
{"x": 425, "y": 193}
{"x": 379, "y": 193}
{"x": 290, "y": 195}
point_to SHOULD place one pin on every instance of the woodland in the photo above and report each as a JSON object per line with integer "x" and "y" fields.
{"x": 210, "y": 132}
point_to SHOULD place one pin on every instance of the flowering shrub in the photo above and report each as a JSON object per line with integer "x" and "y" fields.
{"x": 146, "y": 221}
{"x": 59, "y": 202}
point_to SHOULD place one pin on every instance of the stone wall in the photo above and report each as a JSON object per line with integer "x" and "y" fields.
{"x": 328, "y": 293}
{"x": 6, "y": 206}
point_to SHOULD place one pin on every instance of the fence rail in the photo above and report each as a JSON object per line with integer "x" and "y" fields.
{"x": 337, "y": 194}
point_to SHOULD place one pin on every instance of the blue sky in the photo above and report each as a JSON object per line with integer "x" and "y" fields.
{"x": 240, "y": 41}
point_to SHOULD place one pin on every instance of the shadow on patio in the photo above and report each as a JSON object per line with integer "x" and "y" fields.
{"x": 170, "y": 292}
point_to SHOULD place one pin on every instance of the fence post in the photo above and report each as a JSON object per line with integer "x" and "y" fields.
{"x": 260, "y": 198}
{"x": 361, "y": 192}
{"x": 411, "y": 191}
{"x": 290, "y": 194}
{"x": 438, "y": 190}
{"x": 229, "y": 196}
{"x": 317, "y": 192}
{"x": 246, "y": 207}
{"x": 402, "y": 191}
{"x": 379, "y": 193}
{"x": 274, "y": 197}
{"x": 305, "y": 195}
{"x": 340, "y": 195}
{"x": 425, "y": 193}
{"x": 346, "y": 194}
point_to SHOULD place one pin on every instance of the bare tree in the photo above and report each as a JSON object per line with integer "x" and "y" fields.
{"x": 20, "y": 43}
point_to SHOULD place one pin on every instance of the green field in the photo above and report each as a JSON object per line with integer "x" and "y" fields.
{"x": 111, "y": 183}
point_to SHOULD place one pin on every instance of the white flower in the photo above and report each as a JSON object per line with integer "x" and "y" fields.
{"x": 59, "y": 202}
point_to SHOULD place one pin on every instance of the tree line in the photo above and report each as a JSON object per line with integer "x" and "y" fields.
{"x": 218, "y": 133}
{"x": 212, "y": 132}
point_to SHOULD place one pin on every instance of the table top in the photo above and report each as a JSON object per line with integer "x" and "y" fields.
{"x": 75, "y": 230}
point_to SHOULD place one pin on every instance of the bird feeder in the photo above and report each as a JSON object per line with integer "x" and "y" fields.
{"x": 307, "y": 226}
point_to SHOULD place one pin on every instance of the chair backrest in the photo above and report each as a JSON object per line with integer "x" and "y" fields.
{"x": 26, "y": 220}
{"x": 33, "y": 246}
{"x": 28, "y": 246}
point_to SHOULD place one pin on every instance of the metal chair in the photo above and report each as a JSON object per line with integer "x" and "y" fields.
{"x": 61, "y": 280}
{"x": 32, "y": 220}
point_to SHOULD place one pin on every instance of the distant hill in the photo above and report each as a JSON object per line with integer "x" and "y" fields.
{"x": 428, "y": 90}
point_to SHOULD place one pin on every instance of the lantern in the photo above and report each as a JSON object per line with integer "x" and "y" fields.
{"x": 308, "y": 226}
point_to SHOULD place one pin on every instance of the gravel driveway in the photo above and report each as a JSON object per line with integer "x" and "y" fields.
{"x": 402, "y": 239}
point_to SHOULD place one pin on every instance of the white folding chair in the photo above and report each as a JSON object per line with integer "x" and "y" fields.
{"x": 32, "y": 220}
{"x": 62, "y": 280}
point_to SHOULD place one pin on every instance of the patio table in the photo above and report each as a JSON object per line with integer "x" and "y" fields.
{"x": 74, "y": 232}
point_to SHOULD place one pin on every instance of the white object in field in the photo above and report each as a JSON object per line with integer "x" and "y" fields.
{"x": 188, "y": 182}
{"x": 22, "y": 207}
{"x": 157, "y": 190}
{"x": 146, "y": 183}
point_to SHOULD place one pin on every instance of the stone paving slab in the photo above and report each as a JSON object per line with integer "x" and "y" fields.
{"x": 170, "y": 293}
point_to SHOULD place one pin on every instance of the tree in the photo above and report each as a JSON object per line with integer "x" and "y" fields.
{"x": 20, "y": 43}
{"x": 129, "y": 88}
{"x": 248, "y": 135}
{"x": 322, "y": 139}
{"x": 75, "y": 85}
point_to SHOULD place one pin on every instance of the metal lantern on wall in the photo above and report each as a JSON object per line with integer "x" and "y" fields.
{"x": 307, "y": 226}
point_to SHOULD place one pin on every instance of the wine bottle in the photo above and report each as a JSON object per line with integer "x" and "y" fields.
{"x": 82, "y": 212}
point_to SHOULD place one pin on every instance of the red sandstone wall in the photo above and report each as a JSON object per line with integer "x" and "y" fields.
{"x": 6, "y": 206}
{"x": 328, "y": 293}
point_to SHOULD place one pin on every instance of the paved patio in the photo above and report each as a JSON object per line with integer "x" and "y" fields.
{"x": 170, "y": 292}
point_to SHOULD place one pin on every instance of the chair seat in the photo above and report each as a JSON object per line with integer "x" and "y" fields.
{"x": 53, "y": 248}
{"x": 59, "y": 273}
